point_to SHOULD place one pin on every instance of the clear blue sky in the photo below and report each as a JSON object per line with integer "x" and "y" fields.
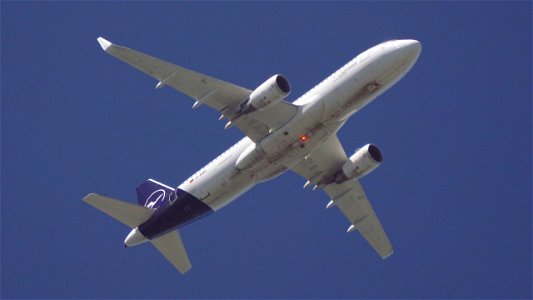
{"x": 454, "y": 191}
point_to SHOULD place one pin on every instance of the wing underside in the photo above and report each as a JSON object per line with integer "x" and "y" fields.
{"x": 205, "y": 90}
{"x": 349, "y": 196}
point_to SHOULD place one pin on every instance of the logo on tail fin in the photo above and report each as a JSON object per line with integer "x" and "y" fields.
{"x": 153, "y": 194}
{"x": 156, "y": 197}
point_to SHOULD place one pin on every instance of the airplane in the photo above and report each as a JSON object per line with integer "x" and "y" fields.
{"x": 300, "y": 136}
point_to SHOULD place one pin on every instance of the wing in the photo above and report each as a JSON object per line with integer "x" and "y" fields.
{"x": 348, "y": 196}
{"x": 207, "y": 90}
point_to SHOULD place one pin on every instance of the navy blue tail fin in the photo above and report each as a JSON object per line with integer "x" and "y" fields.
{"x": 153, "y": 194}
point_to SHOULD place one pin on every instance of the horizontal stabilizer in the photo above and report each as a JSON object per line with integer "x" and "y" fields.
{"x": 172, "y": 248}
{"x": 127, "y": 213}
{"x": 105, "y": 44}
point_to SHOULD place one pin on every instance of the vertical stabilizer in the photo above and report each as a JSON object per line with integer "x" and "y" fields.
{"x": 153, "y": 194}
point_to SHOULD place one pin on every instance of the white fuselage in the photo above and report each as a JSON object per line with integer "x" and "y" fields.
{"x": 322, "y": 112}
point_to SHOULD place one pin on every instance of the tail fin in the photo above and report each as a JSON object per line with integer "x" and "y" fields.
{"x": 170, "y": 244}
{"x": 127, "y": 213}
{"x": 153, "y": 194}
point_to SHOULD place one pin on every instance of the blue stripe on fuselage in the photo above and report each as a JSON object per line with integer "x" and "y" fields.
{"x": 171, "y": 216}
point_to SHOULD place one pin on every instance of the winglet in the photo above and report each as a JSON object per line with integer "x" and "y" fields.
{"x": 105, "y": 44}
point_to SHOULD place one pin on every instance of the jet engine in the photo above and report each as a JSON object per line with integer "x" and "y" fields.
{"x": 362, "y": 162}
{"x": 270, "y": 92}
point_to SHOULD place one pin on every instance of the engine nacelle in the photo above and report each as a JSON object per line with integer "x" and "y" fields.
{"x": 362, "y": 162}
{"x": 270, "y": 92}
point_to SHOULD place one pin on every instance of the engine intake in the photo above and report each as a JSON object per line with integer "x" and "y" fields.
{"x": 361, "y": 163}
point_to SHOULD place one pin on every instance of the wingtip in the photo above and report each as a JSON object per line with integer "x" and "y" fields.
{"x": 105, "y": 44}
{"x": 89, "y": 197}
{"x": 387, "y": 255}
{"x": 185, "y": 270}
